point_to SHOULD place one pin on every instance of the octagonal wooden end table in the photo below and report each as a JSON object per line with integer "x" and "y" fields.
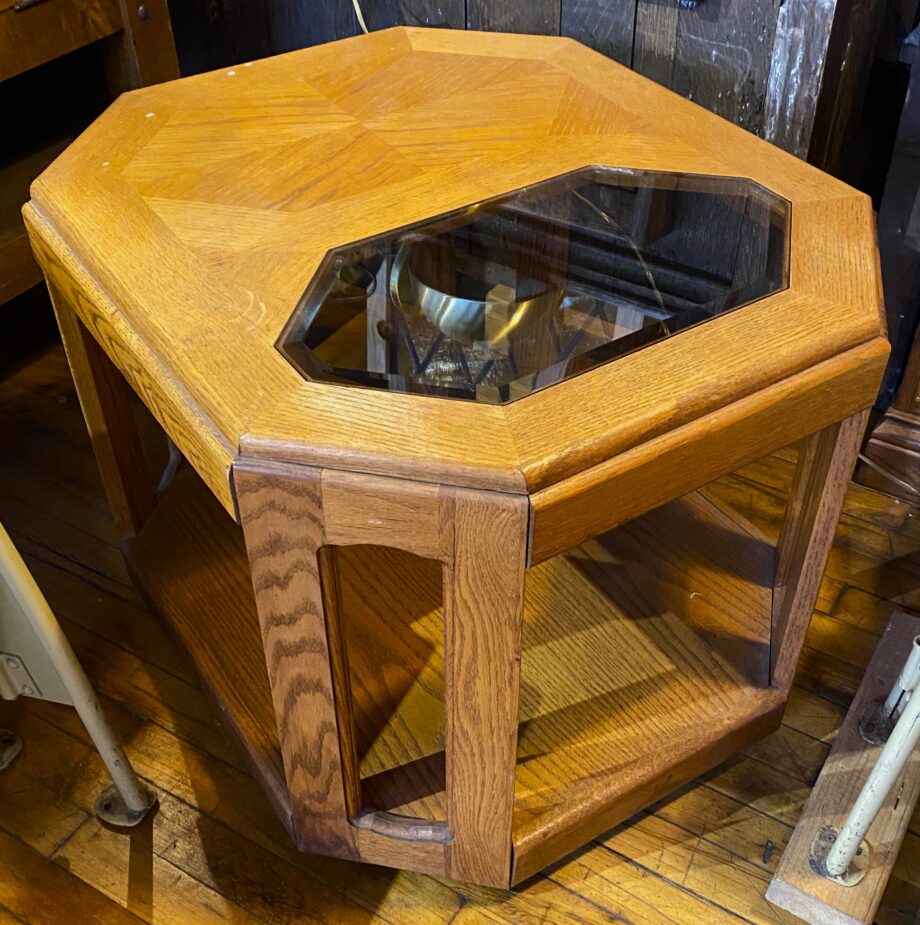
{"x": 453, "y": 331}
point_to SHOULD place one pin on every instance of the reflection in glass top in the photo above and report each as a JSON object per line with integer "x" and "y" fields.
{"x": 495, "y": 301}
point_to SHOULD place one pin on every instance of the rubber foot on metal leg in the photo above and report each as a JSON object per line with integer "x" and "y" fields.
{"x": 817, "y": 857}
{"x": 110, "y": 808}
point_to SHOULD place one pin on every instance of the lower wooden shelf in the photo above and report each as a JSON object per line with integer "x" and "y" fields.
{"x": 645, "y": 661}
{"x": 192, "y": 566}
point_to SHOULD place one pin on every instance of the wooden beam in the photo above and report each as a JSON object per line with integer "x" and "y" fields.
{"x": 796, "y": 73}
{"x": 143, "y": 52}
{"x": 281, "y": 513}
{"x": 655, "y": 40}
{"x": 722, "y": 57}
{"x": 795, "y": 886}
{"x": 484, "y": 537}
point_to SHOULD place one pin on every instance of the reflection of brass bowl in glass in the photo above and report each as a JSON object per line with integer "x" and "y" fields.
{"x": 490, "y": 320}
{"x": 353, "y": 281}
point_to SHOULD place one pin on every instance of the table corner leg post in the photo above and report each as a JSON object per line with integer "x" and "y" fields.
{"x": 294, "y": 582}
{"x": 484, "y": 538}
{"x": 105, "y": 398}
{"x": 826, "y": 462}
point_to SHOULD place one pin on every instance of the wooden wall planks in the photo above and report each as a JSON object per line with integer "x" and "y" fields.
{"x": 654, "y": 40}
{"x": 802, "y": 37}
{"x": 739, "y": 59}
{"x": 210, "y": 35}
{"x": 606, "y": 26}
{"x": 722, "y": 57}
{"x": 381, "y": 14}
{"x": 296, "y": 25}
{"x": 538, "y": 16}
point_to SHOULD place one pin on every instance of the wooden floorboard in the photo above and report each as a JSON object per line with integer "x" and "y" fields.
{"x": 216, "y": 853}
{"x": 36, "y": 890}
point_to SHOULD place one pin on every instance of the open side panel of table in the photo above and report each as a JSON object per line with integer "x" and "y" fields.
{"x": 645, "y": 661}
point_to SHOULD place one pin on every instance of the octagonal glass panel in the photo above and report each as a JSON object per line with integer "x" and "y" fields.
{"x": 508, "y": 296}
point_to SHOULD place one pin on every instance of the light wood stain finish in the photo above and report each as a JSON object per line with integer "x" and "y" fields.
{"x": 276, "y": 158}
{"x": 436, "y": 651}
{"x": 540, "y": 771}
{"x": 602, "y": 496}
{"x": 36, "y": 890}
{"x": 282, "y": 520}
{"x": 480, "y": 540}
{"x": 696, "y": 682}
{"x": 483, "y": 546}
{"x": 145, "y": 372}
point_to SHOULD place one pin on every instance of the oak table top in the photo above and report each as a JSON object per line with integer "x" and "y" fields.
{"x": 193, "y": 214}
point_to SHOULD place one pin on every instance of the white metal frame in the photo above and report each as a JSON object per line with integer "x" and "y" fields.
{"x": 902, "y": 705}
{"x": 37, "y": 661}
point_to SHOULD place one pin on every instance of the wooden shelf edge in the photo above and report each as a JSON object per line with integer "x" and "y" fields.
{"x": 199, "y": 437}
{"x": 624, "y": 486}
{"x": 619, "y": 796}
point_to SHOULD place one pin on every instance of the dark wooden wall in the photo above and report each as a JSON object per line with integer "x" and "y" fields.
{"x": 716, "y": 52}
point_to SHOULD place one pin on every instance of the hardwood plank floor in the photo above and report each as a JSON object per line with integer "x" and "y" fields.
{"x": 34, "y": 889}
{"x": 215, "y": 851}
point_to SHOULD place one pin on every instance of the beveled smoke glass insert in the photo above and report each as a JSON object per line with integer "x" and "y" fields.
{"x": 504, "y": 297}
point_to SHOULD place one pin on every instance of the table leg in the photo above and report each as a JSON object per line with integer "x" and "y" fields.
{"x": 105, "y": 400}
{"x": 282, "y": 518}
{"x": 825, "y": 466}
{"x": 292, "y": 519}
{"x": 484, "y": 536}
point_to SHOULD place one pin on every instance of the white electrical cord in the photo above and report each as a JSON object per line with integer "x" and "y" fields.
{"x": 357, "y": 5}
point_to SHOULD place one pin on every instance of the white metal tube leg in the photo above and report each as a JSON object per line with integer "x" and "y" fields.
{"x": 908, "y": 680}
{"x": 27, "y": 618}
{"x": 902, "y": 741}
{"x": 135, "y": 796}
